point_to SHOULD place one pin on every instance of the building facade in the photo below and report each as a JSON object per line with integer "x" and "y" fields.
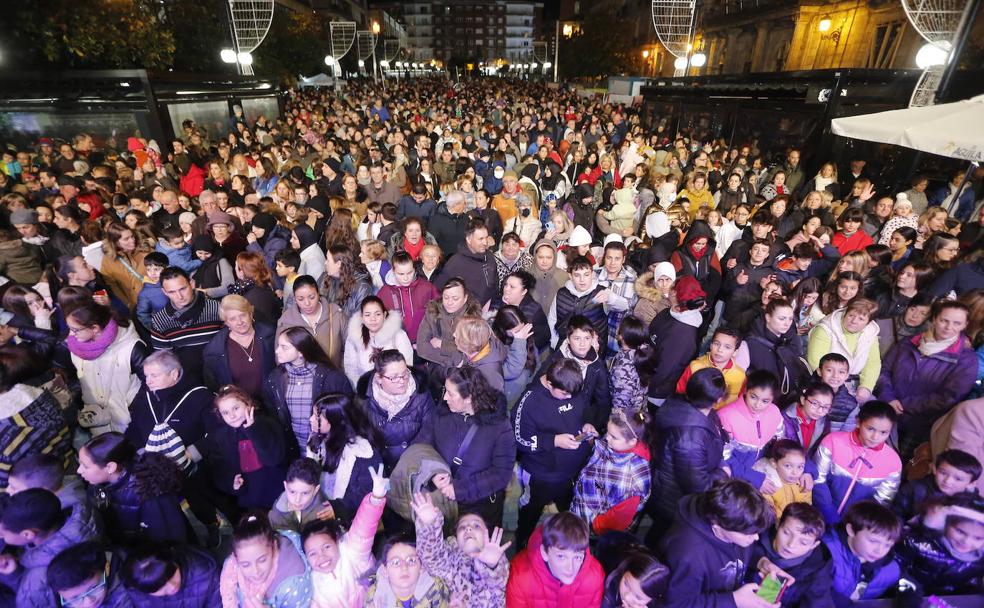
{"x": 468, "y": 30}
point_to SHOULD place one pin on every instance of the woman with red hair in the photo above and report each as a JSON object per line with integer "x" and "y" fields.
{"x": 254, "y": 282}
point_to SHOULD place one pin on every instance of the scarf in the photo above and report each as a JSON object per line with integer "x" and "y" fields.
{"x": 393, "y": 404}
{"x": 89, "y": 351}
{"x": 298, "y": 396}
{"x": 413, "y": 250}
{"x": 241, "y": 287}
{"x": 929, "y": 347}
{"x": 697, "y": 254}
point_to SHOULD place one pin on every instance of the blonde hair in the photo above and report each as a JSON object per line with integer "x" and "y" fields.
{"x": 374, "y": 249}
{"x": 859, "y": 264}
{"x": 234, "y": 302}
{"x": 471, "y": 334}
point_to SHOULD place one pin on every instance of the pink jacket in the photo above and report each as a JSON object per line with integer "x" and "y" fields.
{"x": 342, "y": 589}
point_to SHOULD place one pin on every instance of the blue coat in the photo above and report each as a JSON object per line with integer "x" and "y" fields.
{"x": 150, "y": 300}
{"x": 182, "y": 257}
{"x": 848, "y": 571}
{"x": 965, "y": 204}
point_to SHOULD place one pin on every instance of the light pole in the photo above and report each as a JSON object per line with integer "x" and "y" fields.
{"x": 375, "y": 35}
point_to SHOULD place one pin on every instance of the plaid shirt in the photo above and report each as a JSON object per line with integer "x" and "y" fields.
{"x": 620, "y": 302}
{"x": 299, "y": 395}
{"x": 609, "y": 479}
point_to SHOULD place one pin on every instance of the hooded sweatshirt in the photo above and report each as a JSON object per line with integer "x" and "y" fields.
{"x": 704, "y": 570}
{"x": 411, "y": 301}
{"x": 547, "y": 281}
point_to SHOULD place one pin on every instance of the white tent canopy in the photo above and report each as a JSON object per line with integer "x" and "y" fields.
{"x": 953, "y": 129}
{"x": 318, "y": 80}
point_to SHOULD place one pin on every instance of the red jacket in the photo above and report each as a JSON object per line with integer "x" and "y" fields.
{"x": 845, "y": 244}
{"x": 532, "y": 586}
{"x": 595, "y": 174}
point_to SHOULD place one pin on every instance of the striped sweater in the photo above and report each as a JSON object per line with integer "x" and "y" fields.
{"x": 188, "y": 331}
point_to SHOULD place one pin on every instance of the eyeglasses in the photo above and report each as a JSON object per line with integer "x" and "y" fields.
{"x": 79, "y": 599}
{"x": 409, "y": 562}
{"x": 399, "y": 378}
{"x": 819, "y": 406}
{"x": 76, "y": 330}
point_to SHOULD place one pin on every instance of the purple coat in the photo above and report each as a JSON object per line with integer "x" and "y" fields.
{"x": 791, "y": 430}
{"x": 927, "y": 387}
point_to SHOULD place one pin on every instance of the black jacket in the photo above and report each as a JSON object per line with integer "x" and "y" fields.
{"x": 194, "y": 418}
{"x": 132, "y": 518}
{"x": 268, "y": 307}
{"x": 923, "y": 555}
{"x": 477, "y": 270}
{"x": 780, "y": 355}
{"x": 222, "y": 450}
{"x": 199, "y": 583}
{"x": 325, "y": 381}
{"x": 597, "y": 387}
{"x": 812, "y": 573}
{"x": 401, "y": 431}
{"x": 448, "y": 229}
{"x": 675, "y": 345}
{"x": 689, "y": 452}
{"x": 704, "y": 570}
{"x": 492, "y": 221}
{"x": 216, "y": 355}
{"x": 912, "y": 495}
{"x": 487, "y": 465}
{"x": 537, "y": 419}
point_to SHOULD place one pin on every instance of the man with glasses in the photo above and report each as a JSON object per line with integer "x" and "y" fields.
{"x": 33, "y": 519}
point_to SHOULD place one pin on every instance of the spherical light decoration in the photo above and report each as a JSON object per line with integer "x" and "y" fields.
{"x": 329, "y": 60}
{"x": 228, "y": 55}
{"x": 548, "y": 65}
{"x": 824, "y": 25}
{"x": 698, "y": 60}
{"x": 362, "y": 63}
{"x": 245, "y": 58}
{"x": 680, "y": 63}
{"x": 932, "y": 54}
{"x": 384, "y": 63}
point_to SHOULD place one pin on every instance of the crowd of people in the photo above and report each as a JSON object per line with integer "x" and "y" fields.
{"x": 322, "y": 359}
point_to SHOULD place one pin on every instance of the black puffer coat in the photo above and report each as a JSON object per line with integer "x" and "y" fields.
{"x": 922, "y": 554}
{"x": 688, "y": 455}
{"x": 131, "y": 517}
{"x": 675, "y": 345}
{"x": 781, "y": 355}
{"x": 401, "y": 431}
{"x": 274, "y": 398}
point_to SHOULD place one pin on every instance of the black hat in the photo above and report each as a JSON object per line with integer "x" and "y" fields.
{"x": 319, "y": 204}
{"x": 264, "y": 221}
{"x": 204, "y": 242}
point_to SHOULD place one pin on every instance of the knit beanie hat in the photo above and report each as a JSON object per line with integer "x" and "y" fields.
{"x": 264, "y": 221}
{"x": 664, "y": 269}
{"x": 187, "y": 218}
{"x": 688, "y": 289}
{"x": 579, "y": 237}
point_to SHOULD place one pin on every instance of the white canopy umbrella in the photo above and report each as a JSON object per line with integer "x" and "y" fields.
{"x": 950, "y": 129}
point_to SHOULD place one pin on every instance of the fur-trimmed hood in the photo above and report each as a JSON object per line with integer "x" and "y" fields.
{"x": 391, "y": 326}
{"x": 645, "y": 288}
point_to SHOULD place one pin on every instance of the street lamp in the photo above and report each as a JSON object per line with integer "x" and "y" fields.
{"x": 375, "y": 35}
{"x": 824, "y": 25}
{"x": 228, "y": 55}
{"x": 244, "y": 59}
{"x": 680, "y": 63}
{"x": 930, "y": 55}
{"x": 698, "y": 60}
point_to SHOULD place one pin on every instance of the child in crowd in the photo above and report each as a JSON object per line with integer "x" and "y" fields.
{"x": 614, "y": 485}
{"x": 579, "y": 296}
{"x": 45, "y": 471}
{"x": 556, "y": 569}
{"x": 954, "y": 471}
{"x": 751, "y": 423}
{"x": 834, "y": 371}
{"x": 785, "y": 470}
{"x": 944, "y": 549}
{"x": 552, "y": 439}
{"x": 151, "y": 298}
{"x": 861, "y": 551}
{"x": 298, "y": 505}
{"x": 88, "y": 575}
{"x": 709, "y": 548}
{"x": 806, "y": 419}
{"x": 859, "y": 464}
{"x": 794, "y": 547}
{"x": 172, "y": 244}
{"x": 33, "y": 519}
{"x": 287, "y": 261}
{"x": 401, "y": 580}
{"x": 721, "y": 354}
{"x": 139, "y": 497}
{"x": 632, "y": 366}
